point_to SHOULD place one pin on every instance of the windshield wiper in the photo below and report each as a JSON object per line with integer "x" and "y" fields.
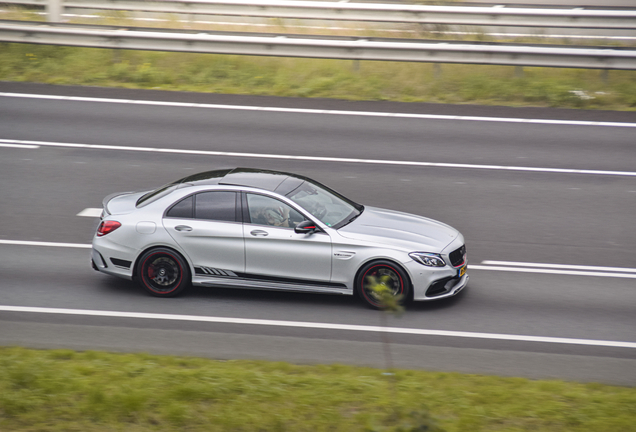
{"x": 353, "y": 218}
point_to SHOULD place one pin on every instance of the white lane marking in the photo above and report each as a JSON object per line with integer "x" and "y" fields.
{"x": 552, "y": 271}
{"x": 90, "y": 212}
{"x": 323, "y": 158}
{"x": 22, "y": 146}
{"x": 317, "y": 325}
{"x": 48, "y": 244}
{"x": 560, "y": 266}
{"x": 319, "y": 111}
{"x": 470, "y": 266}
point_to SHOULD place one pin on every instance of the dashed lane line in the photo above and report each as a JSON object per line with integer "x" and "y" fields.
{"x": 21, "y": 146}
{"x": 553, "y": 271}
{"x": 321, "y": 326}
{"x": 45, "y": 244}
{"x": 90, "y": 212}
{"x": 560, "y": 266}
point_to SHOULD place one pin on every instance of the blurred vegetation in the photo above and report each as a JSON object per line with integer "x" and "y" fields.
{"x": 295, "y": 77}
{"x": 64, "y": 390}
{"x": 340, "y": 79}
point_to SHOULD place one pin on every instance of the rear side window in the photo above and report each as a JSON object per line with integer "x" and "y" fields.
{"x": 218, "y": 206}
{"x": 183, "y": 209}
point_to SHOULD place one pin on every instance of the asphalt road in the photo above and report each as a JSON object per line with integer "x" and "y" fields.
{"x": 545, "y": 218}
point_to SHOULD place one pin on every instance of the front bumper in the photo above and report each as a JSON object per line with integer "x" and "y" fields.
{"x": 435, "y": 283}
{"x": 447, "y": 288}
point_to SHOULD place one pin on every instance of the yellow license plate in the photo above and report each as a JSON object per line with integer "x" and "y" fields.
{"x": 462, "y": 271}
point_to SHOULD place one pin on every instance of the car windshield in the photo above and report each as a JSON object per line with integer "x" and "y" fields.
{"x": 326, "y": 205}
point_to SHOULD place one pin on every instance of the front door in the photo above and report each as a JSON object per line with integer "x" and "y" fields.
{"x": 273, "y": 251}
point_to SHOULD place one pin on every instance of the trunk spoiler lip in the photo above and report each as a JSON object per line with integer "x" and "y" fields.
{"x": 110, "y": 197}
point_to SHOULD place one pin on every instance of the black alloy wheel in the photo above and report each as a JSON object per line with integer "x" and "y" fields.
{"x": 382, "y": 274}
{"x": 163, "y": 273}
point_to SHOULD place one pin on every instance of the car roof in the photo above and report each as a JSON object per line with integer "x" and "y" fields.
{"x": 274, "y": 181}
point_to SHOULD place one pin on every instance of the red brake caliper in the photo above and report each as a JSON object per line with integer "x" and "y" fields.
{"x": 151, "y": 272}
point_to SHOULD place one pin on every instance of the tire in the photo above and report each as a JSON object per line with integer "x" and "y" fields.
{"x": 163, "y": 272}
{"x": 394, "y": 277}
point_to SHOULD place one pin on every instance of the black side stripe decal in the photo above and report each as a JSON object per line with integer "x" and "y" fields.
{"x": 214, "y": 272}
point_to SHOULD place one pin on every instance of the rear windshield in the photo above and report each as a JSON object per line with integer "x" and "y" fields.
{"x": 156, "y": 194}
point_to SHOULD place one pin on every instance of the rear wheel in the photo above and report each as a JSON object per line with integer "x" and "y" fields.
{"x": 163, "y": 273}
{"x": 381, "y": 274}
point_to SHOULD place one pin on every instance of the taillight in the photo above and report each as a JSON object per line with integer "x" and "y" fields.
{"x": 107, "y": 227}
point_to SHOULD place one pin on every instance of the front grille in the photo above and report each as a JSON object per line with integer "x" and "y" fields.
{"x": 457, "y": 256}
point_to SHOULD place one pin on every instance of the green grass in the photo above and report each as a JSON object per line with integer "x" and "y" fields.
{"x": 392, "y": 81}
{"x": 63, "y": 390}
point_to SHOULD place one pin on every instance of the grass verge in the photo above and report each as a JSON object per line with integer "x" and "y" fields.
{"x": 340, "y": 79}
{"x": 63, "y": 390}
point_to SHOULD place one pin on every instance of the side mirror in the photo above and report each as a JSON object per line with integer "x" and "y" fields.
{"x": 306, "y": 227}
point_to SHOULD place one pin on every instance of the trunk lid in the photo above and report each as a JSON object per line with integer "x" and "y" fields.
{"x": 121, "y": 202}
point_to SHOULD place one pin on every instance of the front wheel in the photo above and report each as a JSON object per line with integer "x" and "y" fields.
{"x": 382, "y": 275}
{"x": 163, "y": 273}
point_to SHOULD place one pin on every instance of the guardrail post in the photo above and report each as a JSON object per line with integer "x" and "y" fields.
{"x": 518, "y": 71}
{"x": 604, "y": 75}
{"x": 437, "y": 70}
{"x": 54, "y": 10}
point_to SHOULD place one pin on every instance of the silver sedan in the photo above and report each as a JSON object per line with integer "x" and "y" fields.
{"x": 248, "y": 228}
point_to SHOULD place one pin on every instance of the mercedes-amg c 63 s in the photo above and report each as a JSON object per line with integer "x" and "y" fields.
{"x": 248, "y": 228}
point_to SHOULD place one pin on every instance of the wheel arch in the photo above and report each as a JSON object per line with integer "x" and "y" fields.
{"x": 409, "y": 280}
{"x": 160, "y": 246}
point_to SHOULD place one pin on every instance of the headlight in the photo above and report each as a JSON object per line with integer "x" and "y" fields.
{"x": 428, "y": 259}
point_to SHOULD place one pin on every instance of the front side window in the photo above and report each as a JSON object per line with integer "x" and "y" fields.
{"x": 264, "y": 210}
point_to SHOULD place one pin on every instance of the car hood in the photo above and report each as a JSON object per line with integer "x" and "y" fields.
{"x": 122, "y": 202}
{"x": 399, "y": 229}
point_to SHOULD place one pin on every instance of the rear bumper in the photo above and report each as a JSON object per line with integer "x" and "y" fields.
{"x": 102, "y": 261}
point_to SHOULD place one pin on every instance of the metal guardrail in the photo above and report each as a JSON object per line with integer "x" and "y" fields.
{"x": 420, "y": 14}
{"x": 314, "y": 47}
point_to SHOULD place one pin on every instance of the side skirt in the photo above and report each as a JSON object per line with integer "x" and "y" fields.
{"x": 248, "y": 283}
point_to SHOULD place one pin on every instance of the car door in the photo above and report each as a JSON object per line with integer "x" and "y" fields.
{"x": 208, "y": 228}
{"x": 274, "y": 251}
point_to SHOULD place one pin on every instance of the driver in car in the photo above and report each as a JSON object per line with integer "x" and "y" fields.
{"x": 277, "y": 216}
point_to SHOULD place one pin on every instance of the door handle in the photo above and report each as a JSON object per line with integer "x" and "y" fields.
{"x": 259, "y": 233}
{"x": 183, "y": 228}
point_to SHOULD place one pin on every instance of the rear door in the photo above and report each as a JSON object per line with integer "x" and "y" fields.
{"x": 208, "y": 228}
